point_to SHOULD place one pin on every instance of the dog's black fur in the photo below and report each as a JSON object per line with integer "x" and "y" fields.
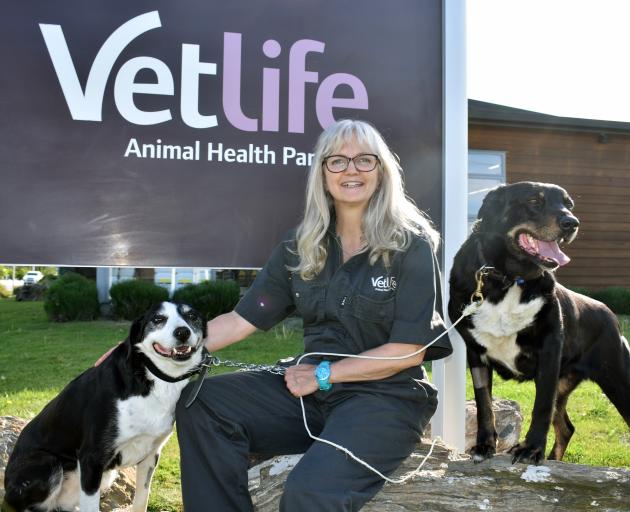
{"x": 85, "y": 424}
{"x": 561, "y": 337}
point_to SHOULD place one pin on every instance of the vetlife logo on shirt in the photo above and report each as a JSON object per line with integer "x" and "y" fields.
{"x": 384, "y": 284}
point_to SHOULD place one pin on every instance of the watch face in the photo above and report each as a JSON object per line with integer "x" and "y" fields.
{"x": 322, "y": 372}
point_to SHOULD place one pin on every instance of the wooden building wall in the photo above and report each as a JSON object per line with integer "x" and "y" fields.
{"x": 596, "y": 175}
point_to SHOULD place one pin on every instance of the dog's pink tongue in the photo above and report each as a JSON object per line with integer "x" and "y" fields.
{"x": 161, "y": 349}
{"x": 552, "y": 251}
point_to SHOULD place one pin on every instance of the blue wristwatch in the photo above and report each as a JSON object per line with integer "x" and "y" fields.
{"x": 322, "y": 374}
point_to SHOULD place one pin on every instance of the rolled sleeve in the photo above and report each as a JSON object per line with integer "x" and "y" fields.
{"x": 269, "y": 299}
{"x": 418, "y": 304}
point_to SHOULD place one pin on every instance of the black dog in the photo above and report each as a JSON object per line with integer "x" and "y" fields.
{"x": 528, "y": 327}
{"x": 117, "y": 414}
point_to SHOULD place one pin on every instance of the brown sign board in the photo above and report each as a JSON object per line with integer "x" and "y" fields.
{"x": 179, "y": 133}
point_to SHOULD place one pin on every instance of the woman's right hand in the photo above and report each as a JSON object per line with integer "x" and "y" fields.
{"x": 106, "y": 355}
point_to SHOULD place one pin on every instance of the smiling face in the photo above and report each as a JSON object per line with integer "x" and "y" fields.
{"x": 170, "y": 335}
{"x": 351, "y": 187}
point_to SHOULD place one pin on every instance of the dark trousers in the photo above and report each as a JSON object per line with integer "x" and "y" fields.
{"x": 238, "y": 413}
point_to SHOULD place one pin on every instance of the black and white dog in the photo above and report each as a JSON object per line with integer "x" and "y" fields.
{"x": 529, "y": 327}
{"x": 115, "y": 415}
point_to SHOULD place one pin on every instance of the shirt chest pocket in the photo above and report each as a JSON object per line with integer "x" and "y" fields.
{"x": 309, "y": 298}
{"x": 376, "y": 311}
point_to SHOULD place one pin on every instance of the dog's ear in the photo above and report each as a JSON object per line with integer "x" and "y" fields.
{"x": 204, "y": 326}
{"x": 493, "y": 204}
{"x": 135, "y": 334}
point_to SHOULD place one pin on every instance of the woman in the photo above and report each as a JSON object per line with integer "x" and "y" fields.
{"x": 361, "y": 271}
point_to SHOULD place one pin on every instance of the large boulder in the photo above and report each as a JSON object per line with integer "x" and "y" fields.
{"x": 118, "y": 497}
{"x": 453, "y": 483}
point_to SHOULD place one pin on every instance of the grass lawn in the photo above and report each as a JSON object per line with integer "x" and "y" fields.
{"x": 37, "y": 358}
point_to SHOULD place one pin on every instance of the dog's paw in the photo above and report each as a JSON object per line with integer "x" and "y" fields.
{"x": 527, "y": 453}
{"x": 481, "y": 452}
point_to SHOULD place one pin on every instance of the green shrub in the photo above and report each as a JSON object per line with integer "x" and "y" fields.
{"x": 35, "y": 291}
{"x": 6, "y": 272}
{"x": 21, "y": 271}
{"x": 71, "y": 297}
{"x": 210, "y": 298}
{"x": 616, "y": 298}
{"x": 580, "y": 289}
{"x": 130, "y": 299}
{"x": 48, "y": 271}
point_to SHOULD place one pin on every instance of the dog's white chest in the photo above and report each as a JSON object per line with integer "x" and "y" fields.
{"x": 496, "y": 326}
{"x": 145, "y": 422}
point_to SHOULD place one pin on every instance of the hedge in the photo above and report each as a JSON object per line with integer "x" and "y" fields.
{"x": 71, "y": 297}
{"x": 131, "y": 299}
{"x": 617, "y": 298}
{"x": 210, "y": 298}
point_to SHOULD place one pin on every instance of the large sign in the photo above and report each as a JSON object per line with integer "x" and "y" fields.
{"x": 180, "y": 133}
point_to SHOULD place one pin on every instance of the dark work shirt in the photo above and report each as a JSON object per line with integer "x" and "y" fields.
{"x": 352, "y": 307}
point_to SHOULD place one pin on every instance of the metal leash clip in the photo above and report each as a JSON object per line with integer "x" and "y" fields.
{"x": 206, "y": 363}
{"x": 477, "y": 296}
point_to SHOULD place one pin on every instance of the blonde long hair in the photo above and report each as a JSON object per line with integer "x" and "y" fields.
{"x": 390, "y": 218}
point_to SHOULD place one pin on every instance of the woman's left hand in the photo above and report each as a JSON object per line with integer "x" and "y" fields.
{"x": 300, "y": 380}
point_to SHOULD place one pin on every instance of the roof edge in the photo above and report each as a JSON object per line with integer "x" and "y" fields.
{"x": 484, "y": 113}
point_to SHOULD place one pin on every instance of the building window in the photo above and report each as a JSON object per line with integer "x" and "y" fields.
{"x": 486, "y": 170}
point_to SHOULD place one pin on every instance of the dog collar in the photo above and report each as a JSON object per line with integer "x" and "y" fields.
{"x": 492, "y": 273}
{"x": 153, "y": 369}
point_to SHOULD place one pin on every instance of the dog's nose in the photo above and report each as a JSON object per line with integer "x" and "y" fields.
{"x": 569, "y": 223}
{"x": 182, "y": 334}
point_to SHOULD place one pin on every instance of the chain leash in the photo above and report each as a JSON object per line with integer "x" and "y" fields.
{"x": 249, "y": 367}
{"x": 210, "y": 361}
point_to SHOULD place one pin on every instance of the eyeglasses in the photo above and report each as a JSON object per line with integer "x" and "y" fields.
{"x": 339, "y": 163}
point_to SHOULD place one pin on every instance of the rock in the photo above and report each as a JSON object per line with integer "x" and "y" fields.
{"x": 507, "y": 419}
{"x": 10, "y": 428}
{"x": 452, "y": 483}
{"x": 117, "y": 498}
{"x": 508, "y": 422}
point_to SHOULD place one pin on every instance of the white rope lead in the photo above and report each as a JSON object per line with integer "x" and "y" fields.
{"x": 467, "y": 311}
